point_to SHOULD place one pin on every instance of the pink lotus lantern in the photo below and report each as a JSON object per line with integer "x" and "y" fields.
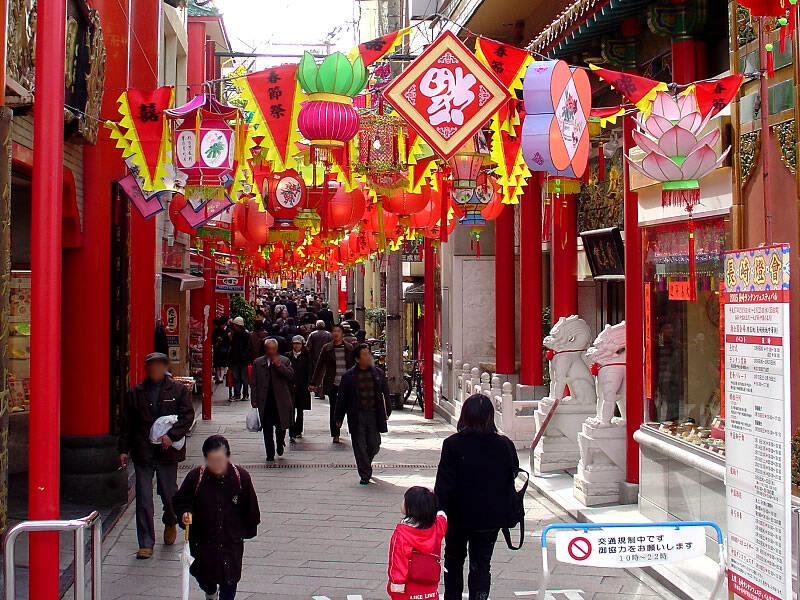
{"x": 204, "y": 145}
{"x": 675, "y": 154}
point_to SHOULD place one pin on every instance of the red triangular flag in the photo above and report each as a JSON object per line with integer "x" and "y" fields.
{"x": 147, "y": 116}
{"x": 713, "y": 96}
{"x": 274, "y": 90}
{"x": 637, "y": 90}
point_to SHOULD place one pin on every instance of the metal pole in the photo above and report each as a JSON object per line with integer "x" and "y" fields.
{"x": 80, "y": 564}
{"x": 765, "y": 132}
{"x": 97, "y": 560}
{"x": 45, "y": 410}
{"x": 428, "y": 325}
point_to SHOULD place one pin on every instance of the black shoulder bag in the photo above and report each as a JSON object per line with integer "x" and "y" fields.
{"x": 516, "y": 513}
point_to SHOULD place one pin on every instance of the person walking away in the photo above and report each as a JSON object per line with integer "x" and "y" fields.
{"x": 301, "y": 365}
{"x": 240, "y": 359}
{"x": 350, "y": 319}
{"x": 418, "y": 537}
{"x": 219, "y": 504}
{"x": 316, "y": 340}
{"x": 257, "y": 337}
{"x": 220, "y": 344}
{"x": 326, "y": 315}
{"x": 363, "y": 396}
{"x": 475, "y": 487}
{"x": 335, "y": 358}
{"x": 273, "y": 379}
{"x": 275, "y": 334}
{"x": 348, "y": 335}
{"x": 291, "y": 306}
{"x": 157, "y": 396}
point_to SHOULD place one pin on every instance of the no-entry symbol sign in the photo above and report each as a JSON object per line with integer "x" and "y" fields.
{"x": 579, "y": 548}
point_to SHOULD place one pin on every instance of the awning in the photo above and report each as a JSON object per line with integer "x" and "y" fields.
{"x": 187, "y": 282}
{"x": 414, "y": 293}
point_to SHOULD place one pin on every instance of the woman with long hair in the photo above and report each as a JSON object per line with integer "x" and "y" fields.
{"x": 474, "y": 487}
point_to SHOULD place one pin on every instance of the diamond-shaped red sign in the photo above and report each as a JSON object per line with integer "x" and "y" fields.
{"x": 446, "y": 95}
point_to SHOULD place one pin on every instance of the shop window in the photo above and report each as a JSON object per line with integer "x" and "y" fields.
{"x": 682, "y": 336}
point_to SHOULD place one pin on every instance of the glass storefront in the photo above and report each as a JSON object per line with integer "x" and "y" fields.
{"x": 682, "y": 335}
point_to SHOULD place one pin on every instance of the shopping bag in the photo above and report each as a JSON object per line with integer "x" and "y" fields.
{"x": 161, "y": 427}
{"x": 253, "y": 420}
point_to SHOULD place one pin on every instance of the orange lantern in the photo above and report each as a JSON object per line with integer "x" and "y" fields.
{"x": 404, "y": 204}
{"x": 344, "y": 210}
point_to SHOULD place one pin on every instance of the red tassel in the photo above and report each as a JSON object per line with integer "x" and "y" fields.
{"x": 688, "y": 198}
{"x": 770, "y": 63}
{"x": 784, "y": 34}
{"x": 692, "y": 272}
{"x": 478, "y": 248}
{"x": 601, "y": 163}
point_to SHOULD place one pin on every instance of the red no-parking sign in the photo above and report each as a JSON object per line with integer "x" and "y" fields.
{"x": 579, "y": 548}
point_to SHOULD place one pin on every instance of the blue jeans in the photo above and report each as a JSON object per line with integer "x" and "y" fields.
{"x": 240, "y": 381}
{"x": 226, "y": 592}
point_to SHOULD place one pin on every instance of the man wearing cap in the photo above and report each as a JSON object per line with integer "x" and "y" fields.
{"x": 157, "y": 396}
{"x": 301, "y": 363}
{"x": 273, "y": 378}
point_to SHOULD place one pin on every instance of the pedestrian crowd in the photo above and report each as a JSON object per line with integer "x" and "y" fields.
{"x": 293, "y": 351}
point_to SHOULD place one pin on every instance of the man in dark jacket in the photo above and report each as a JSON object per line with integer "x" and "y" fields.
{"x": 273, "y": 378}
{"x": 157, "y": 396}
{"x": 275, "y": 334}
{"x": 240, "y": 359}
{"x": 334, "y": 359}
{"x": 326, "y": 315}
{"x": 316, "y": 340}
{"x": 301, "y": 364}
{"x": 364, "y": 399}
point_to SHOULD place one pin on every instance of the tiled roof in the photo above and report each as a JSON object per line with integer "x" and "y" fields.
{"x": 204, "y": 9}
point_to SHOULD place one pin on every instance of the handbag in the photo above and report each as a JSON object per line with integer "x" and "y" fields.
{"x": 423, "y": 568}
{"x": 253, "y": 420}
{"x": 516, "y": 514}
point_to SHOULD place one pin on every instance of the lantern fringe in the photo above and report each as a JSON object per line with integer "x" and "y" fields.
{"x": 601, "y": 163}
{"x": 770, "y": 62}
{"x": 687, "y": 197}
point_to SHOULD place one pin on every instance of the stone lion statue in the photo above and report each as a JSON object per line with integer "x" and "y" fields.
{"x": 607, "y": 356}
{"x": 566, "y": 345}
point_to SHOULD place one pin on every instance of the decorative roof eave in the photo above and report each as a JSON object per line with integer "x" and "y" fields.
{"x": 570, "y": 18}
{"x": 202, "y": 10}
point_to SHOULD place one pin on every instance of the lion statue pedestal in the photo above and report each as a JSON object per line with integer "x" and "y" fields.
{"x": 602, "y": 440}
{"x": 558, "y": 448}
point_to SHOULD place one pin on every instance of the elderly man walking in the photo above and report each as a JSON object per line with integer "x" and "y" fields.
{"x": 316, "y": 340}
{"x": 271, "y": 389}
{"x": 157, "y": 396}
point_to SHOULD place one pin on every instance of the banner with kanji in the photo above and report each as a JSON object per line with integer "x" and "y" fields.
{"x": 713, "y": 96}
{"x": 639, "y": 91}
{"x": 143, "y": 133}
{"x": 374, "y": 50}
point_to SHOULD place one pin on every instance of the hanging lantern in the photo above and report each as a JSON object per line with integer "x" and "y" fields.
{"x": 467, "y": 162}
{"x": 474, "y": 205}
{"x": 343, "y": 211}
{"x": 176, "y": 204}
{"x": 328, "y": 119}
{"x": 404, "y": 204}
{"x": 379, "y": 152}
{"x": 256, "y": 223}
{"x": 426, "y": 219}
{"x": 284, "y": 194}
{"x": 204, "y": 145}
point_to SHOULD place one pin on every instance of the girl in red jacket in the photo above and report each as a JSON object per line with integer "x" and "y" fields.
{"x": 416, "y": 547}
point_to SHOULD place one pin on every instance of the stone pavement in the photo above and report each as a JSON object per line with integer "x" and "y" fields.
{"x": 324, "y": 536}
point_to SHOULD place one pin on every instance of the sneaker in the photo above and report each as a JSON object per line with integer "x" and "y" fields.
{"x": 170, "y": 534}
{"x": 144, "y": 553}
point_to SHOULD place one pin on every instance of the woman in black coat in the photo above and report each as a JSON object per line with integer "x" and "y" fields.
{"x": 301, "y": 363}
{"x": 219, "y": 503}
{"x": 475, "y": 488}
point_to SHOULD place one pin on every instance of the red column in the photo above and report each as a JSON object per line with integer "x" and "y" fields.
{"x": 564, "y": 255}
{"x": 209, "y": 275}
{"x": 530, "y": 274}
{"x": 196, "y": 56}
{"x": 504, "y": 293}
{"x": 145, "y": 17}
{"x": 427, "y": 327}
{"x": 684, "y": 60}
{"x": 48, "y": 141}
{"x": 87, "y": 270}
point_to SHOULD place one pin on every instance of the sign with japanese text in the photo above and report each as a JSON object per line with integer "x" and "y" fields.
{"x": 229, "y": 284}
{"x": 630, "y": 547}
{"x": 172, "y": 315}
{"x": 758, "y": 422}
{"x": 447, "y": 94}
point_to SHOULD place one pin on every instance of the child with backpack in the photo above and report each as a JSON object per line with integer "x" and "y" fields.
{"x": 416, "y": 547}
{"x": 220, "y": 506}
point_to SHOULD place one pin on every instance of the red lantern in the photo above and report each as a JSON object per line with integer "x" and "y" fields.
{"x": 178, "y": 222}
{"x": 430, "y": 215}
{"x": 404, "y": 204}
{"x": 256, "y": 223}
{"x": 284, "y": 195}
{"x": 495, "y": 206}
{"x": 326, "y": 123}
{"x": 344, "y": 209}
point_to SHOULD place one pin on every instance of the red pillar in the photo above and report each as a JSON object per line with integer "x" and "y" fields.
{"x": 48, "y": 142}
{"x": 145, "y": 31}
{"x": 87, "y": 270}
{"x": 427, "y": 327}
{"x": 530, "y": 274}
{"x": 564, "y": 255}
{"x": 684, "y": 60}
{"x": 210, "y": 276}
{"x": 504, "y": 293}
{"x": 196, "y": 56}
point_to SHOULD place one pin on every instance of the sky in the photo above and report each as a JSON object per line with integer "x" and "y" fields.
{"x": 257, "y": 25}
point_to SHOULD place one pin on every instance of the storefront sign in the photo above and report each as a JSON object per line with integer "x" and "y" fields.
{"x": 446, "y": 94}
{"x": 679, "y": 290}
{"x": 648, "y": 341}
{"x": 605, "y": 252}
{"x": 230, "y": 284}
{"x": 172, "y": 318}
{"x": 757, "y": 426}
{"x": 631, "y": 547}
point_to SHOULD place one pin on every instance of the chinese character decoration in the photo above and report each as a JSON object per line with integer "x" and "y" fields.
{"x": 273, "y": 98}
{"x": 639, "y": 91}
{"x": 678, "y": 155}
{"x": 381, "y": 152}
{"x": 446, "y": 95}
{"x": 374, "y": 50}
{"x": 284, "y": 195}
{"x": 555, "y": 133}
{"x": 509, "y": 64}
{"x": 143, "y": 135}
{"x": 327, "y": 119}
{"x": 205, "y": 146}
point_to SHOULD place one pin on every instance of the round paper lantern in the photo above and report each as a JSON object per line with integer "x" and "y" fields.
{"x": 344, "y": 209}
{"x": 176, "y": 204}
{"x": 284, "y": 195}
{"x": 430, "y": 215}
{"x": 495, "y": 206}
{"x": 404, "y": 204}
{"x": 256, "y": 223}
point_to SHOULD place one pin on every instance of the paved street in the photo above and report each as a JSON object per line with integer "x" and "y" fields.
{"x": 324, "y": 536}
